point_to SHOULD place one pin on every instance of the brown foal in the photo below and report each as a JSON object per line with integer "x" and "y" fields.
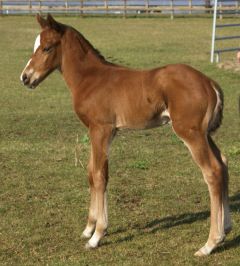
{"x": 107, "y": 97}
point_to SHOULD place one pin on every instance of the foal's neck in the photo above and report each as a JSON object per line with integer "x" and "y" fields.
{"x": 79, "y": 59}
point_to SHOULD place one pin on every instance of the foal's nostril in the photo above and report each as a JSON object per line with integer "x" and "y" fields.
{"x": 25, "y": 79}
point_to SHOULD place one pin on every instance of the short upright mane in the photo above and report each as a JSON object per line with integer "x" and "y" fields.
{"x": 88, "y": 46}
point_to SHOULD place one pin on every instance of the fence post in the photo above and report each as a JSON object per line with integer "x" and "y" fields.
{"x": 147, "y": 6}
{"x": 81, "y": 7}
{"x": 125, "y": 9}
{"x": 1, "y": 7}
{"x": 214, "y": 30}
{"x": 106, "y": 6}
{"x": 30, "y": 6}
{"x": 237, "y": 7}
{"x": 207, "y": 6}
{"x": 190, "y": 6}
{"x": 40, "y": 6}
{"x": 66, "y": 6}
{"x": 172, "y": 10}
{"x": 220, "y": 10}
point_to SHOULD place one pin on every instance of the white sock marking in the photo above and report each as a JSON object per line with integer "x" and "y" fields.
{"x": 206, "y": 250}
{"x": 87, "y": 233}
{"x": 93, "y": 242}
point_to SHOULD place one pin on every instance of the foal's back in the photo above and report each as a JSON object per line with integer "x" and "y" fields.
{"x": 150, "y": 98}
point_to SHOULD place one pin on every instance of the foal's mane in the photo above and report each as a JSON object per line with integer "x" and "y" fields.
{"x": 87, "y": 46}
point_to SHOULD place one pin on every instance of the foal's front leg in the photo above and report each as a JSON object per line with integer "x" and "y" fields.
{"x": 101, "y": 137}
{"x": 92, "y": 215}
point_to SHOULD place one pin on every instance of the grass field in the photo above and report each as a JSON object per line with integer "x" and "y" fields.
{"x": 158, "y": 201}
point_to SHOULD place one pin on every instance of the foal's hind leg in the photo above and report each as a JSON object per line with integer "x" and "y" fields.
{"x": 226, "y": 210}
{"x": 213, "y": 173}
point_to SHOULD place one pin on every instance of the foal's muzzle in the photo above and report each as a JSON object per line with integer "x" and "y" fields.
{"x": 29, "y": 80}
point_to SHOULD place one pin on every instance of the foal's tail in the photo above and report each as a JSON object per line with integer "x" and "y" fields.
{"x": 217, "y": 115}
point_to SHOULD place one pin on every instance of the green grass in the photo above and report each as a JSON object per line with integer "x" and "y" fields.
{"x": 158, "y": 201}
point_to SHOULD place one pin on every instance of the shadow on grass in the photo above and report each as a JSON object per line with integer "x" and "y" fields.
{"x": 120, "y": 240}
{"x": 186, "y": 218}
{"x": 171, "y": 221}
{"x": 235, "y": 242}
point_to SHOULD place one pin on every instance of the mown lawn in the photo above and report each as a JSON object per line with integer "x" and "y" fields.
{"x": 158, "y": 201}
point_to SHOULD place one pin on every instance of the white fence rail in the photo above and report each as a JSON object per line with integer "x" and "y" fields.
{"x": 125, "y": 7}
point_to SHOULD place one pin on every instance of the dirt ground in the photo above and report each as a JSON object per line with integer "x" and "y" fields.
{"x": 230, "y": 65}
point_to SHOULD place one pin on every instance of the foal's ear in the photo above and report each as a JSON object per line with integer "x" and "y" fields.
{"x": 42, "y": 22}
{"x": 52, "y": 23}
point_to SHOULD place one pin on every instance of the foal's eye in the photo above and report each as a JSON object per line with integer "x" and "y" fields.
{"x": 47, "y": 49}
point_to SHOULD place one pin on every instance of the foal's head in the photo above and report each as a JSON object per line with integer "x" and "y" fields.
{"x": 46, "y": 56}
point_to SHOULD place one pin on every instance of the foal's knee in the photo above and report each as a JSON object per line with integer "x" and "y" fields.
{"x": 99, "y": 181}
{"x": 215, "y": 177}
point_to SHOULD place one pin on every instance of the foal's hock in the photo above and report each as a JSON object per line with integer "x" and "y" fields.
{"x": 107, "y": 97}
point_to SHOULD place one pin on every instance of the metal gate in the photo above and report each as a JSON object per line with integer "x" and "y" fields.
{"x": 219, "y": 11}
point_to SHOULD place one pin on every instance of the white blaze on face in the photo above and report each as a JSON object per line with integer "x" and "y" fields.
{"x": 36, "y": 45}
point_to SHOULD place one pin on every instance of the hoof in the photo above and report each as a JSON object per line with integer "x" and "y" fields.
{"x": 88, "y": 246}
{"x": 204, "y": 251}
{"x": 200, "y": 254}
{"x": 86, "y": 235}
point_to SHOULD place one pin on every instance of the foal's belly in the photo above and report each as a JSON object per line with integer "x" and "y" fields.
{"x": 156, "y": 120}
